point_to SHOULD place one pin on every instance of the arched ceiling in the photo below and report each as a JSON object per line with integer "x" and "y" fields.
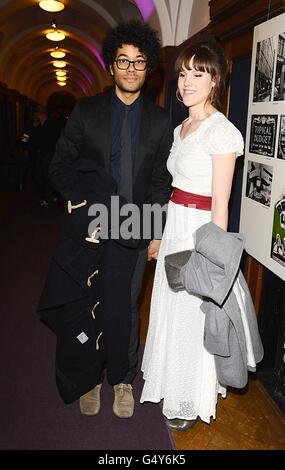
{"x": 25, "y": 63}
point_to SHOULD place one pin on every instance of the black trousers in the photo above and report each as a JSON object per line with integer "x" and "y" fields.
{"x": 116, "y": 270}
{"x": 136, "y": 287}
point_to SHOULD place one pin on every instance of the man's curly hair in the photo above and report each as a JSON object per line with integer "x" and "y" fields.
{"x": 135, "y": 33}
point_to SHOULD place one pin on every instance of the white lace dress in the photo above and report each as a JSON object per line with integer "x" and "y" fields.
{"x": 177, "y": 368}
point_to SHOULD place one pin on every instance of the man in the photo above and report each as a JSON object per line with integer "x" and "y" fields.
{"x": 98, "y": 129}
{"x": 41, "y": 138}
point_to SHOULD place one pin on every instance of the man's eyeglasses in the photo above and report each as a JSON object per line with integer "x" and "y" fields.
{"x": 123, "y": 64}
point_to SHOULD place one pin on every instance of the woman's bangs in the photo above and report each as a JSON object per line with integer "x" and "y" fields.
{"x": 201, "y": 61}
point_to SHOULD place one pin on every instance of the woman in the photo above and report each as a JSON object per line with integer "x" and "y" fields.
{"x": 177, "y": 367}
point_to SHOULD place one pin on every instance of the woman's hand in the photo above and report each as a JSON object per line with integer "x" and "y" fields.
{"x": 153, "y": 249}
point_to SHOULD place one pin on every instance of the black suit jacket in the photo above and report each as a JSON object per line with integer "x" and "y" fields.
{"x": 88, "y": 134}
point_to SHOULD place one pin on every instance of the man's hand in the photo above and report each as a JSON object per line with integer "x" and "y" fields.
{"x": 153, "y": 249}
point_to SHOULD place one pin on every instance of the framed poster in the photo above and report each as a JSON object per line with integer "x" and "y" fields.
{"x": 263, "y": 134}
{"x": 281, "y": 138}
{"x": 262, "y": 218}
{"x": 278, "y": 233}
{"x": 264, "y": 59}
{"x": 259, "y": 182}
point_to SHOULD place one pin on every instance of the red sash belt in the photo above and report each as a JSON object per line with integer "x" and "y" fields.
{"x": 197, "y": 201}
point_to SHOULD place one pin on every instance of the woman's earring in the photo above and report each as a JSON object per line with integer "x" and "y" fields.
{"x": 178, "y": 96}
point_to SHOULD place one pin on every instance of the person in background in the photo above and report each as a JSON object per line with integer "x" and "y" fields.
{"x": 129, "y": 137}
{"x": 177, "y": 368}
{"x": 41, "y": 138}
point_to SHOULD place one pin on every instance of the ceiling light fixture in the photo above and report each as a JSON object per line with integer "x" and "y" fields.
{"x": 60, "y": 73}
{"x": 61, "y": 79}
{"x": 59, "y": 64}
{"x": 52, "y": 6}
{"x": 55, "y": 34}
{"x": 57, "y": 53}
{"x": 61, "y": 83}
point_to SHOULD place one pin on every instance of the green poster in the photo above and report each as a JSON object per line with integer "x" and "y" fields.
{"x": 278, "y": 233}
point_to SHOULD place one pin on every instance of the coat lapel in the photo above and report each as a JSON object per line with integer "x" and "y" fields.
{"x": 104, "y": 129}
{"x": 145, "y": 126}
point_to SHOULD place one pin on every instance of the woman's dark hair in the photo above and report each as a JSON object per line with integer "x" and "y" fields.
{"x": 134, "y": 33}
{"x": 207, "y": 57}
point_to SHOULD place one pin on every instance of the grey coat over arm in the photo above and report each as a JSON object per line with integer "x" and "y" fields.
{"x": 211, "y": 272}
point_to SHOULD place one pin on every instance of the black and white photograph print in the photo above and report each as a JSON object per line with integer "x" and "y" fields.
{"x": 278, "y": 232}
{"x": 281, "y": 138}
{"x": 259, "y": 182}
{"x": 279, "y": 85}
{"x": 264, "y": 67}
{"x": 263, "y": 134}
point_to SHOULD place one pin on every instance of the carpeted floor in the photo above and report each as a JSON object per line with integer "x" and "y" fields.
{"x": 32, "y": 415}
